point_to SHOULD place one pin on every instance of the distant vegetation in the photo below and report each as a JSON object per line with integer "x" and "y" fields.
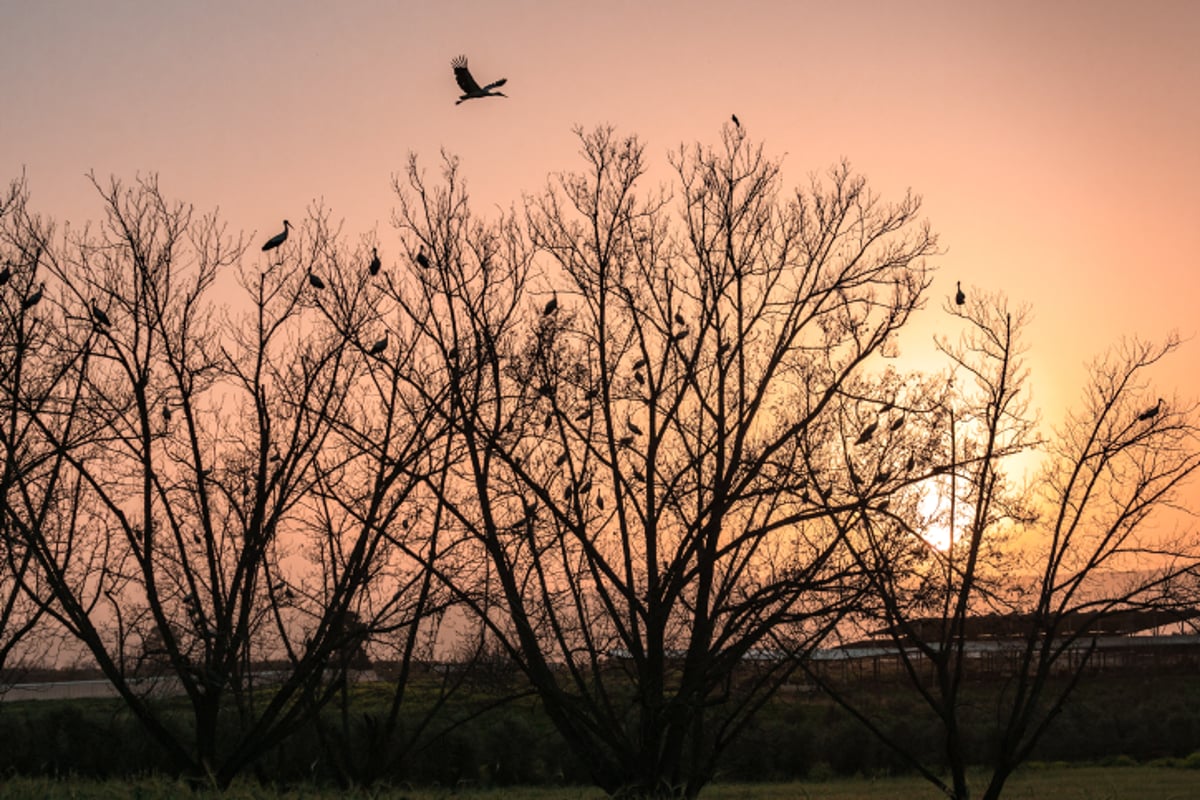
{"x": 1121, "y": 719}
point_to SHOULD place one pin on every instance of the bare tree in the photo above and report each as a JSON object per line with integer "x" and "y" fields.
{"x": 212, "y": 449}
{"x": 32, "y": 367}
{"x": 1043, "y": 569}
{"x": 643, "y": 452}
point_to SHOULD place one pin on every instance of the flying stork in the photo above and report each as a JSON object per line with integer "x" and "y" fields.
{"x": 278, "y": 238}
{"x": 470, "y": 88}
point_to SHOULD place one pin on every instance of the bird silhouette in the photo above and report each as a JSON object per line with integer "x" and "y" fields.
{"x": 99, "y": 316}
{"x": 33, "y": 299}
{"x": 422, "y": 259}
{"x": 551, "y": 306}
{"x": 315, "y": 281}
{"x": 959, "y": 296}
{"x": 278, "y": 238}
{"x": 5, "y": 274}
{"x": 471, "y": 88}
{"x": 633, "y": 427}
{"x": 736, "y": 122}
{"x": 166, "y": 413}
{"x": 1152, "y": 412}
{"x": 867, "y": 433}
{"x": 380, "y": 346}
{"x": 375, "y": 265}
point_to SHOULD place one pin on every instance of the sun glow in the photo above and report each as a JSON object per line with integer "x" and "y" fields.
{"x": 934, "y": 510}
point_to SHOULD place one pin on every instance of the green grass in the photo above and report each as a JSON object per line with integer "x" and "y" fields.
{"x": 1059, "y": 782}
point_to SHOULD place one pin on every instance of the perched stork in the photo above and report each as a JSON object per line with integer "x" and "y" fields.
{"x": 867, "y": 433}
{"x": 315, "y": 281}
{"x": 1151, "y": 412}
{"x": 380, "y": 346}
{"x": 278, "y": 238}
{"x": 422, "y": 259}
{"x": 33, "y": 299}
{"x": 551, "y": 306}
{"x": 470, "y": 88}
{"x": 736, "y": 122}
{"x": 375, "y": 265}
{"x": 5, "y": 274}
{"x": 99, "y": 316}
{"x": 959, "y": 296}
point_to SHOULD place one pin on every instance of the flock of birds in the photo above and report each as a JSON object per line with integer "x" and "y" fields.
{"x": 472, "y": 90}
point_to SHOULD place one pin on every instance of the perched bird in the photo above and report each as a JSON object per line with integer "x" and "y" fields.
{"x": 471, "y": 89}
{"x": 633, "y": 427}
{"x": 278, "y": 238}
{"x": 583, "y": 415}
{"x": 551, "y": 306}
{"x": 736, "y": 122}
{"x": 166, "y": 413}
{"x": 375, "y": 265}
{"x": 315, "y": 281}
{"x": 99, "y": 316}
{"x": 422, "y": 259}
{"x": 897, "y": 423}
{"x": 641, "y": 362}
{"x": 1152, "y": 412}
{"x": 679, "y": 320}
{"x": 33, "y": 299}
{"x": 959, "y": 296}
{"x": 5, "y": 274}
{"x": 380, "y": 346}
{"x": 867, "y": 433}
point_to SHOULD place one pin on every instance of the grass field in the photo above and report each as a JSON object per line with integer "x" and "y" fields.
{"x": 1061, "y": 783}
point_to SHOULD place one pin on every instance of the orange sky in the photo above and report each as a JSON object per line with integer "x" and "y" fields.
{"x": 1057, "y": 145}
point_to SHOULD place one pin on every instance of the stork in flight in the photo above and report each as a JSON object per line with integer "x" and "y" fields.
{"x": 470, "y": 88}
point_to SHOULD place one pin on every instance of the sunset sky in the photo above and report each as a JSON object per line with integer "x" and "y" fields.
{"x": 1056, "y": 145}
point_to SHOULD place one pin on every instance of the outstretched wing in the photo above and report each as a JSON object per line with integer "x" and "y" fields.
{"x": 463, "y": 76}
{"x": 495, "y": 84}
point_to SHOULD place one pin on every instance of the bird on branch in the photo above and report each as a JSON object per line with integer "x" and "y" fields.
{"x": 101, "y": 318}
{"x": 375, "y": 265}
{"x": 1152, "y": 412}
{"x": 380, "y": 346}
{"x": 278, "y": 238}
{"x": 471, "y": 88}
{"x": 33, "y": 299}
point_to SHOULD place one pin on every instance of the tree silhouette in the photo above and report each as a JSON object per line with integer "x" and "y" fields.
{"x": 200, "y": 450}
{"x": 1040, "y": 569}
{"x": 645, "y": 453}
{"x": 32, "y": 473}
